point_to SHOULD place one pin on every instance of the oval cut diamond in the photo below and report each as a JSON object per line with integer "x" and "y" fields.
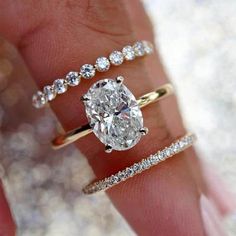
{"x": 114, "y": 114}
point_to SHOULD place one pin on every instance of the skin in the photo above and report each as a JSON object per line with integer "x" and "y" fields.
{"x": 55, "y": 37}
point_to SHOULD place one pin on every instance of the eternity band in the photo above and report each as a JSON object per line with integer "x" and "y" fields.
{"x": 137, "y": 168}
{"x": 88, "y": 71}
{"x": 127, "y": 110}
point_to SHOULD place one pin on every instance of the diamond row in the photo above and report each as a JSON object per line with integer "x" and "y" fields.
{"x": 88, "y": 71}
{"x": 176, "y": 147}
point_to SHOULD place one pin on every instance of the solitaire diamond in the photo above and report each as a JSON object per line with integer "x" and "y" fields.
{"x": 114, "y": 114}
{"x": 116, "y": 58}
{"x": 87, "y": 71}
{"x": 102, "y": 64}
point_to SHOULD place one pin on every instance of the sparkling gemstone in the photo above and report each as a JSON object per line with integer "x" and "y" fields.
{"x": 73, "y": 78}
{"x": 114, "y": 179}
{"x": 146, "y": 164}
{"x": 116, "y": 58}
{"x": 114, "y": 114}
{"x": 176, "y": 147}
{"x": 128, "y": 53}
{"x": 49, "y": 92}
{"x": 129, "y": 172}
{"x": 121, "y": 175}
{"x": 39, "y": 100}
{"x": 139, "y": 49}
{"x": 136, "y": 167}
{"x": 161, "y": 156}
{"x": 87, "y": 71}
{"x": 154, "y": 159}
{"x": 167, "y": 152}
{"x": 148, "y": 47}
{"x": 60, "y": 86}
{"x": 102, "y": 64}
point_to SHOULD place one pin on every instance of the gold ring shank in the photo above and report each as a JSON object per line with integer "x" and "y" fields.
{"x": 73, "y": 135}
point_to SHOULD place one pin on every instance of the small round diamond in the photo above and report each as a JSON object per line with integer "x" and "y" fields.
{"x": 148, "y": 47}
{"x": 136, "y": 167}
{"x": 146, "y": 164}
{"x": 176, "y": 147}
{"x": 60, "y": 86}
{"x": 102, "y": 64}
{"x": 87, "y": 71}
{"x": 128, "y": 53}
{"x": 121, "y": 175}
{"x": 139, "y": 49}
{"x": 129, "y": 172}
{"x": 116, "y": 58}
{"x": 73, "y": 78}
{"x": 114, "y": 179}
{"x": 39, "y": 100}
{"x": 161, "y": 156}
{"x": 49, "y": 92}
{"x": 153, "y": 159}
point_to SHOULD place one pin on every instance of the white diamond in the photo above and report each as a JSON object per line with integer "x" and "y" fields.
{"x": 148, "y": 47}
{"x": 102, "y": 64}
{"x": 116, "y": 58}
{"x": 176, "y": 147}
{"x": 136, "y": 167}
{"x": 128, "y": 53}
{"x": 121, "y": 175}
{"x": 129, "y": 172}
{"x": 146, "y": 164}
{"x": 87, "y": 71}
{"x": 153, "y": 159}
{"x": 60, "y": 86}
{"x": 161, "y": 156}
{"x": 49, "y": 92}
{"x": 39, "y": 100}
{"x": 139, "y": 49}
{"x": 166, "y": 152}
{"x": 114, "y": 114}
{"x": 73, "y": 78}
{"x": 114, "y": 179}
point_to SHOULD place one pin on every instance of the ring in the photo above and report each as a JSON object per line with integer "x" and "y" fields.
{"x": 137, "y": 168}
{"x": 114, "y": 115}
{"x": 88, "y": 71}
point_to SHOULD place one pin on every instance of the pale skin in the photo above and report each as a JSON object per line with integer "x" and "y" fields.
{"x": 55, "y": 37}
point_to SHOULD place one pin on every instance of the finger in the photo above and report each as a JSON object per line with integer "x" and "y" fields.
{"x": 7, "y": 226}
{"x": 60, "y": 39}
{"x": 218, "y": 192}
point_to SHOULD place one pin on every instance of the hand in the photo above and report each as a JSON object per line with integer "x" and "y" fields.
{"x": 55, "y": 37}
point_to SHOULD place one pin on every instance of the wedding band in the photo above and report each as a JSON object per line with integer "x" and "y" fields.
{"x": 137, "y": 168}
{"x": 114, "y": 115}
{"x": 88, "y": 71}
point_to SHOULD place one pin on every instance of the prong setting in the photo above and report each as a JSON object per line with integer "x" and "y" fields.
{"x": 108, "y": 148}
{"x": 119, "y": 79}
{"x": 143, "y": 130}
{"x": 84, "y": 98}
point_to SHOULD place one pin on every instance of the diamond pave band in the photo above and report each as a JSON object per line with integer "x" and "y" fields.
{"x": 88, "y": 71}
{"x": 114, "y": 115}
{"x": 137, "y": 168}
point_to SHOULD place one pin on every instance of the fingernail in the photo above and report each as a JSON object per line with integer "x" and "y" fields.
{"x": 212, "y": 221}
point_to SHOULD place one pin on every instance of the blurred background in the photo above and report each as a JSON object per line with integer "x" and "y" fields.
{"x": 197, "y": 43}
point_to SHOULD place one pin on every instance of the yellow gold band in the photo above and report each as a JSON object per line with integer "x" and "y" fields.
{"x": 73, "y": 135}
